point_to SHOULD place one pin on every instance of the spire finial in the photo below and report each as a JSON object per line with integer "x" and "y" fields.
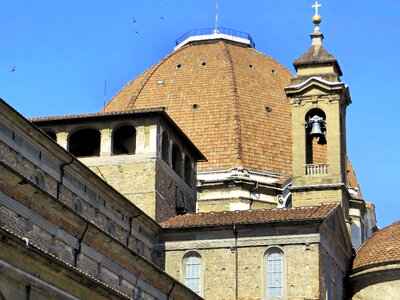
{"x": 316, "y": 18}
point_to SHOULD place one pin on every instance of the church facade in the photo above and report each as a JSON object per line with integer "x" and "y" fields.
{"x": 215, "y": 174}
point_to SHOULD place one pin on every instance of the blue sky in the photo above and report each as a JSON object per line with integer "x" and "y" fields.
{"x": 63, "y": 50}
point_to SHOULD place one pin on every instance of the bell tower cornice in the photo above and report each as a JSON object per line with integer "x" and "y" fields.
{"x": 316, "y": 89}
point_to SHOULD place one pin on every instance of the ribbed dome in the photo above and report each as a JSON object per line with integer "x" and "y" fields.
{"x": 381, "y": 248}
{"x": 227, "y": 97}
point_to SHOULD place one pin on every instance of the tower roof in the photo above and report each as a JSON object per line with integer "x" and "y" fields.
{"x": 317, "y": 56}
{"x": 227, "y": 97}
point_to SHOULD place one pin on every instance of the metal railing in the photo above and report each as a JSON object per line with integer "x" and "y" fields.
{"x": 217, "y": 30}
{"x": 318, "y": 169}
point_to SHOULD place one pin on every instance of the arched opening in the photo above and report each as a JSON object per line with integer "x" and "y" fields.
{"x": 188, "y": 170}
{"x": 165, "y": 147}
{"x": 51, "y": 135}
{"x": 39, "y": 179}
{"x": 193, "y": 272}
{"x": 85, "y": 142}
{"x": 177, "y": 159}
{"x": 275, "y": 274}
{"x": 77, "y": 206}
{"x": 111, "y": 228}
{"x": 316, "y": 145}
{"x": 124, "y": 140}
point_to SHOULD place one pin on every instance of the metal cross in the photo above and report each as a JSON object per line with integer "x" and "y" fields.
{"x": 316, "y": 6}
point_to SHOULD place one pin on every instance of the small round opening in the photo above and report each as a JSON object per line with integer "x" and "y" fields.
{"x": 268, "y": 109}
{"x": 195, "y": 106}
{"x": 178, "y": 66}
{"x": 204, "y": 63}
{"x": 251, "y": 66}
{"x": 273, "y": 71}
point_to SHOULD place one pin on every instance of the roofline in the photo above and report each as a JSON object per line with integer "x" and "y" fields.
{"x": 335, "y": 207}
{"x": 82, "y": 165}
{"x": 75, "y": 270}
{"x": 140, "y": 112}
{"x": 217, "y": 226}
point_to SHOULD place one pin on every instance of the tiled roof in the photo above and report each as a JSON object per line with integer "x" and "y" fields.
{"x": 277, "y": 215}
{"x": 229, "y": 100}
{"x": 138, "y": 111}
{"x": 316, "y": 54}
{"x": 383, "y": 247}
{"x": 98, "y": 114}
{"x": 353, "y": 182}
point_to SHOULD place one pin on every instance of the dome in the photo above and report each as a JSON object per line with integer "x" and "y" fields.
{"x": 382, "y": 248}
{"x": 227, "y": 97}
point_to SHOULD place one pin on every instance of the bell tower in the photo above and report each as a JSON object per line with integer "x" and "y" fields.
{"x": 319, "y": 101}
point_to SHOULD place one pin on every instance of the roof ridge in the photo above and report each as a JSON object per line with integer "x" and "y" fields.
{"x": 318, "y": 206}
{"x": 236, "y": 107}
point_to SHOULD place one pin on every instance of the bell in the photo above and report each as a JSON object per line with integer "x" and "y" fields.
{"x": 316, "y": 130}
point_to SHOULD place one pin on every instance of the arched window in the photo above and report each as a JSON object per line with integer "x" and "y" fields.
{"x": 111, "y": 228}
{"x": 77, "y": 205}
{"x": 39, "y": 179}
{"x": 124, "y": 140}
{"x": 275, "y": 274}
{"x": 177, "y": 159}
{"x": 165, "y": 147}
{"x": 193, "y": 272}
{"x": 85, "y": 142}
{"x": 188, "y": 170}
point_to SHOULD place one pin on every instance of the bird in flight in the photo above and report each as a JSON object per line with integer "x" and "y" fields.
{"x": 13, "y": 69}
{"x": 133, "y": 20}
{"x": 137, "y": 32}
{"x": 162, "y": 18}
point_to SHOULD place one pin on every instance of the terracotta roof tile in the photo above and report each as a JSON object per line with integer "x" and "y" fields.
{"x": 97, "y": 114}
{"x": 161, "y": 111}
{"x": 308, "y": 213}
{"x": 242, "y": 116}
{"x": 383, "y": 247}
{"x": 353, "y": 182}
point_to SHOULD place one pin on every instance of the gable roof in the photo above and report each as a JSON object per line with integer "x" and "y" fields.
{"x": 276, "y": 215}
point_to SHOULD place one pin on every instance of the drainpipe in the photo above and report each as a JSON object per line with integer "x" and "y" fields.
{"x": 62, "y": 175}
{"x": 170, "y": 291}
{"x": 78, "y": 251}
{"x": 236, "y": 263}
{"x": 130, "y": 226}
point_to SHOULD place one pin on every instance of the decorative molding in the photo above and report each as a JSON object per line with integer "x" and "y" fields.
{"x": 25, "y": 277}
{"x": 243, "y": 242}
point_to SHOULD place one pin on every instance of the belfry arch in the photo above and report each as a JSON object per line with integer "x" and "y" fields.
{"x": 124, "y": 140}
{"x": 84, "y": 143}
{"x": 315, "y": 137}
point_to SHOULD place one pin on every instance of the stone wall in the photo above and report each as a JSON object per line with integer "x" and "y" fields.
{"x": 218, "y": 253}
{"x": 64, "y": 222}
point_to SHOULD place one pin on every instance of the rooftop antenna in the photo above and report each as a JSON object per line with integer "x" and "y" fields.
{"x": 216, "y": 16}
